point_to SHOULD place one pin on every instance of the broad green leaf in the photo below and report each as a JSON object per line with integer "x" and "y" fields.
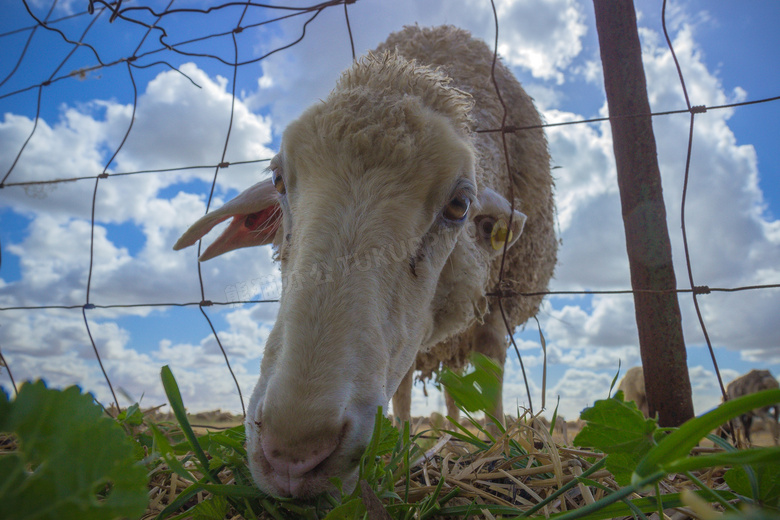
{"x": 752, "y": 513}
{"x": 388, "y": 438}
{"x": 213, "y": 508}
{"x": 351, "y": 510}
{"x": 478, "y": 390}
{"x": 73, "y": 462}
{"x": 132, "y": 416}
{"x": 768, "y": 477}
{"x": 753, "y": 457}
{"x": 621, "y": 431}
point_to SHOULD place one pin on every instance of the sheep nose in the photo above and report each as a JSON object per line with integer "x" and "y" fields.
{"x": 293, "y": 465}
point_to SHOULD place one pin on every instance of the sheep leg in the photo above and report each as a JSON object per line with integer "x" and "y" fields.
{"x": 747, "y": 422}
{"x": 776, "y": 425}
{"x": 402, "y": 399}
{"x": 453, "y": 412}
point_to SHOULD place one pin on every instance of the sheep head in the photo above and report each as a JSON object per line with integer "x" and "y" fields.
{"x": 385, "y": 236}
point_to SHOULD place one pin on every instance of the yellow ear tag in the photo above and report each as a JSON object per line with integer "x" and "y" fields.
{"x": 500, "y": 235}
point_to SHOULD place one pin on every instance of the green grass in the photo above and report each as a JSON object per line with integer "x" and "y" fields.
{"x": 51, "y": 469}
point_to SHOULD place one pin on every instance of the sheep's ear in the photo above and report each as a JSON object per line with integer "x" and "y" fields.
{"x": 256, "y": 217}
{"x": 492, "y": 222}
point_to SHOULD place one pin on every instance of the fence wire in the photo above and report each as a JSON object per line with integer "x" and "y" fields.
{"x": 158, "y": 26}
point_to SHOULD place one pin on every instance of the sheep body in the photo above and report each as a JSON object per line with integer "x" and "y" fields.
{"x": 633, "y": 387}
{"x": 750, "y": 383}
{"x": 530, "y": 263}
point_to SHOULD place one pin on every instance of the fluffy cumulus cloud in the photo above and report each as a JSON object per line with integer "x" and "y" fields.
{"x": 577, "y": 390}
{"x": 176, "y": 124}
{"x": 58, "y": 347}
{"x": 724, "y": 201}
{"x": 545, "y": 36}
{"x": 542, "y": 38}
{"x": 182, "y": 119}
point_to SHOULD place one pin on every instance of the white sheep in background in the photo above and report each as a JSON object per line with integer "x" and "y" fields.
{"x": 633, "y": 387}
{"x": 750, "y": 383}
{"x": 393, "y": 218}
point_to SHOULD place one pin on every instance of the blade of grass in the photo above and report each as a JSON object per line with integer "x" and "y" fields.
{"x": 563, "y": 489}
{"x": 183, "y": 497}
{"x": 617, "y": 496}
{"x": 644, "y": 504}
{"x": 711, "y": 495}
{"x": 469, "y": 510}
{"x": 743, "y": 457}
{"x": 614, "y": 379}
{"x": 271, "y": 509}
{"x": 228, "y": 442}
{"x": 637, "y": 512}
{"x": 466, "y": 436}
{"x": 232, "y": 490}
{"x": 166, "y": 453}
{"x": 407, "y": 466}
{"x": 430, "y": 506}
{"x": 177, "y": 404}
{"x": 449, "y": 496}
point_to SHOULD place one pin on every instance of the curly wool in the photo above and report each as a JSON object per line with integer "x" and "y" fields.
{"x": 466, "y": 65}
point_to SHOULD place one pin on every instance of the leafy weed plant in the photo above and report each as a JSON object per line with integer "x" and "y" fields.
{"x": 72, "y": 461}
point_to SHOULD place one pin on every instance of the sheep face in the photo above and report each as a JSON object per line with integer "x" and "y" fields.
{"x": 385, "y": 240}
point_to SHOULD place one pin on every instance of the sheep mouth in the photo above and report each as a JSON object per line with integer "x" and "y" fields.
{"x": 342, "y": 464}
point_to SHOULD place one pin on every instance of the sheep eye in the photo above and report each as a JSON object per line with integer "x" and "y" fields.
{"x": 457, "y": 208}
{"x": 278, "y": 181}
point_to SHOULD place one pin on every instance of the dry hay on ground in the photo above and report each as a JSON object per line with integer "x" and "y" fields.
{"x": 488, "y": 477}
{"x": 483, "y": 477}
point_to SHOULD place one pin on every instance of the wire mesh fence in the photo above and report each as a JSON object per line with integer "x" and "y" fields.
{"x": 126, "y": 45}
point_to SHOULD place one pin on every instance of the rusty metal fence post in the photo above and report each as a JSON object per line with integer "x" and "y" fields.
{"x": 664, "y": 358}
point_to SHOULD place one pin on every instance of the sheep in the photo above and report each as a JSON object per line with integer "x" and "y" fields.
{"x": 750, "y": 383}
{"x": 389, "y": 215}
{"x": 633, "y": 387}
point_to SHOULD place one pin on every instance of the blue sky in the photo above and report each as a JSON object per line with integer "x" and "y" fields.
{"x": 728, "y": 53}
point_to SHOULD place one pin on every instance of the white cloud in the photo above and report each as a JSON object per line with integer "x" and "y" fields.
{"x": 586, "y": 166}
{"x": 542, "y": 37}
{"x": 609, "y": 325}
{"x": 545, "y": 36}
{"x": 55, "y": 261}
{"x": 578, "y": 389}
{"x": 176, "y": 124}
{"x": 57, "y": 346}
{"x": 731, "y": 235}
{"x": 729, "y": 230}
{"x": 734, "y": 239}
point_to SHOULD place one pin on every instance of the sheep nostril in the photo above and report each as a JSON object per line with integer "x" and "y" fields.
{"x": 291, "y": 461}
